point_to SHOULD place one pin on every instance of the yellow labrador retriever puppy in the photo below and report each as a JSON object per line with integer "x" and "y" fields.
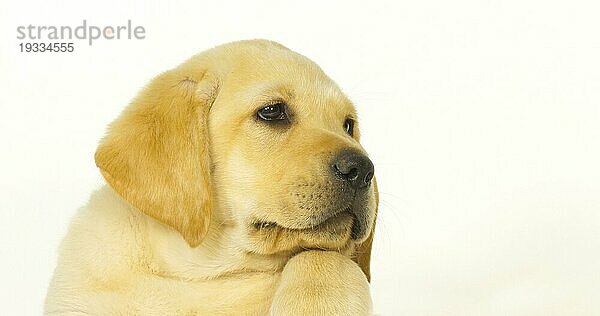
{"x": 236, "y": 186}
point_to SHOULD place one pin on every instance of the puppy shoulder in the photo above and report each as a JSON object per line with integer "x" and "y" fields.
{"x": 104, "y": 234}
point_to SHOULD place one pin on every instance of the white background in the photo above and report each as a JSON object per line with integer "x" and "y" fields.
{"x": 482, "y": 118}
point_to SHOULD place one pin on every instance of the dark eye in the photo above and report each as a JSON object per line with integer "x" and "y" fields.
{"x": 274, "y": 112}
{"x": 349, "y": 126}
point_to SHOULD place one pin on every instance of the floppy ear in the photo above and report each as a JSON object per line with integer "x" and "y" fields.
{"x": 156, "y": 154}
{"x": 362, "y": 253}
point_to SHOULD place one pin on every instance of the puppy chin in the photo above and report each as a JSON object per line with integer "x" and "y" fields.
{"x": 332, "y": 234}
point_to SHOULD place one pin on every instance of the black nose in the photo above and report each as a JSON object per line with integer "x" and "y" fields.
{"x": 354, "y": 168}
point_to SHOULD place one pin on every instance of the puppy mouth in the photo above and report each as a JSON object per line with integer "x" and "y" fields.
{"x": 327, "y": 220}
{"x": 329, "y": 223}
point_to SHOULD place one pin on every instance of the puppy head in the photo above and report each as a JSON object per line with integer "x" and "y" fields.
{"x": 253, "y": 135}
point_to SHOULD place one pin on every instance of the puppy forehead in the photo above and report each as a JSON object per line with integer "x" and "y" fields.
{"x": 324, "y": 96}
{"x": 263, "y": 74}
{"x": 303, "y": 95}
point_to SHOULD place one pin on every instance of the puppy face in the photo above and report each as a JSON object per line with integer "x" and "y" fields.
{"x": 288, "y": 167}
{"x": 252, "y": 135}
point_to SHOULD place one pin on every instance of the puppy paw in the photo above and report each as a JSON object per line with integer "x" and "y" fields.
{"x": 322, "y": 283}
